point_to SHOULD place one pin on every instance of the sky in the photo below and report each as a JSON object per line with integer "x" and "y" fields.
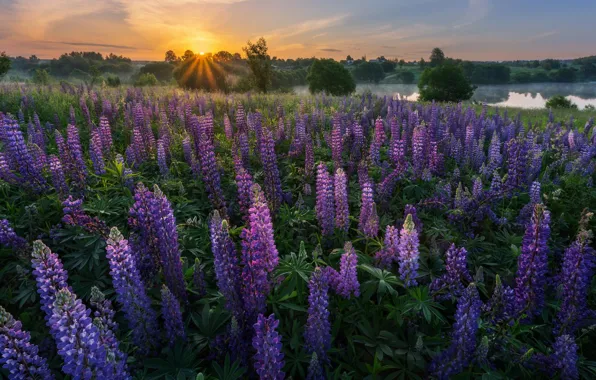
{"x": 408, "y": 29}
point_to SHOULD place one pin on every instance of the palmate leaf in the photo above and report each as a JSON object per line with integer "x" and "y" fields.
{"x": 230, "y": 371}
{"x": 382, "y": 282}
{"x": 181, "y": 362}
{"x": 421, "y": 301}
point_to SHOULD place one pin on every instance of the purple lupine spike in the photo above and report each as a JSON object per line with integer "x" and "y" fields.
{"x": 408, "y": 252}
{"x": 366, "y": 205}
{"x": 457, "y": 276}
{"x": 317, "y": 333}
{"x": 336, "y": 142}
{"x": 244, "y": 184}
{"x": 228, "y": 129}
{"x": 579, "y": 263}
{"x": 345, "y": 282}
{"x": 17, "y": 354}
{"x": 161, "y": 159}
{"x": 517, "y": 157}
{"x": 96, "y": 153}
{"x": 104, "y": 321}
{"x": 9, "y": 238}
{"x": 130, "y": 292}
{"x": 244, "y": 149}
{"x": 198, "y": 279}
{"x": 463, "y": 342}
{"x": 371, "y": 228}
{"x": 315, "y": 369}
{"x": 565, "y": 357}
{"x": 6, "y": 173}
{"x": 477, "y": 188}
{"x": 106, "y": 134}
{"x": 259, "y": 255}
{"x": 58, "y": 180}
{"x": 240, "y": 119}
{"x": 167, "y": 242}
{"x": 225, "y": 263}
{"x": 309, "y": 158}
{"x": 419, "y": 149}
{"x": 379, "y": 132}
{"x": 535, "y": 196}
{"x": 532, "y": 264}
{"x": 388, "y": 255}
{"x": 76, "y": 152}
{"x": 74, "y": 215}
{"x": 325, "y": 208}
{"x": 272, "y": 181}
{"x": 144, "y": 235}
{"x": 269, "y": 358}
{"x": 342, "y": 212}
{"x": 501, "y": 306}
{"x": 49, "y": 275}
{"x": 411, "y": 210}
{"x": 170, "y": 312}
{"x": 77, "y": 339}
{"x": 210, "y": 173}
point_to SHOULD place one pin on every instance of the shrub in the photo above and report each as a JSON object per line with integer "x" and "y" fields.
{"x": 445, "y": 83}
{"x": 147, "y": 79}
{"x": 41, "y": 76}
{"x": 113, "y": 81}
{"x": 330, "y": 77}
{"x": 559, "y": 101}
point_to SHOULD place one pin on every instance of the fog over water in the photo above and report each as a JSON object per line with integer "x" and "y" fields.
{"x": 532, "y": 95}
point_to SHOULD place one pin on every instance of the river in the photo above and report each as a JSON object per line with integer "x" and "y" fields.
{"x": 532, "y": 95}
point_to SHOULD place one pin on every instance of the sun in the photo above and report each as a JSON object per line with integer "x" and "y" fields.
{"x": 202, "y": 53}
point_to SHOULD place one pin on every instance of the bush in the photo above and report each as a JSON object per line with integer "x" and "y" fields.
{"x": 113, "y": 81}
{"x": 406, "y": 77}
{"x": 41, "y": 76}
{"x": 330, "y": 77}
{"x": 147, "y": 79}
{"x": 369, "y": 72}
{"x": 445, "y": 83}
{"x": 4, "y": 64}
{"x": 559, "y": 101}
{"x": 162, "y": 70}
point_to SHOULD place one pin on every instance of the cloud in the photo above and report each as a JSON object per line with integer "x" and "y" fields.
{"x": 330, "y": 50}
{"x": 541, "y": 36}
{"x": 306, "y": 27}
{"x": 476, "y": 11}
{"x": 94, "y": 44}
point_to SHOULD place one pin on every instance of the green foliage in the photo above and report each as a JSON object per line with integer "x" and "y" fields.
{"x": 41, "y": 76}
{"x": 113, "y": 81}
{"x": 330, "y": 77}
{"x": 161, "y": 70}
{"x": 559, "y": 101}
{"x": 369, "y": 72}
{"x": 446, "y": 83}
{"x": 201, "y": 73}
{"x": 4, "y": 64}
{"x": 84, "y": 61}
{"x": 565, "y": 75}
{"x": 437, "y": 57}
{"x": 406, "y": 77}
{"x": 259, "y": 63}
{"x": 388, "y": 66}
{"x": 147, "y": 79}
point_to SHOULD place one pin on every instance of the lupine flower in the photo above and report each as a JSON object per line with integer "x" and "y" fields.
{"x": 198, "y": 279}
{"x": 342, "y": 212}
{"x": 579, "y": 262}
{"x": 565, "y": 357}
{"x": 345, "y": 282}
{"x": 501, "y": 306}
{"x": 229, "y": 130}
{"x": 170, "y": 312}
{"x": 411, "y": 210}
{"x": 144, "y": 236}
{"x": 17, "y": 355}
{"x": 244, "y": 149}
{"x": 482, "y": 352}
{"x": 419, "y": 149}
{"x": 77, "y": 339}
{"x": 244, "y": 184}
{"x": 408, "y": 252}
{"x": 76, "y": 153}
{"x": 161, "y": 159}
{"x": 211, "y": 177}
{"x": 74, "y": 215}
{"x": 272, "y": 183}
{"x": 315, "y": 370}
{"x": 325, "y": 200}
{"x": 269, "y": 358}
{"x": 366, "y": 205}
{"x": 336, "y": 142}
{"x": 371, "y": 228}
{"x": 317, "y": 333}
{"x": 49, "y": 275}
{"x": 6, "y": 173}
{"x": 96, "y": 152}
{"x": 259, "y": 256}
{"x": 517, "y": 156}
{"x": 388, "y": 255}
{"x": 167, "y": 242}
{"x": 9, "y": 238}
{"x": 463, "y": 341}
{"x": 104, "y": 321}
{"x": 106, "y": 134}
{"x": 457, "y": 276}
{"x": 130, "y": 292}
{"x": 225, "y": 263}
{"x": 309, "y": 158}
{"x": 58, "y": 179}
{"x": 532, "y": 264}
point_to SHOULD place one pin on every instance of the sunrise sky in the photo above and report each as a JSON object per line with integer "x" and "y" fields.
{"x": 409, "y": 29}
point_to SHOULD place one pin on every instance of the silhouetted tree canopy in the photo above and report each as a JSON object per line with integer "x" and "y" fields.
{"x": 161, "y": 70}
{"x": 201, "y": 73}
{"x": 388, "y": 66}
{"x": 259, "y": 63}
{"x": 369, "y": 72}
{"x": 406, "y": 77}
{"x": 559, "y": 101}
{"x": 171, "y": 57}
{"x": 330, "y": 77}
{"x": 223, "y": 56}
{"x": 4, "y": 64}
{"x": 445, "y": 83}
{"x": 437, "y": 57}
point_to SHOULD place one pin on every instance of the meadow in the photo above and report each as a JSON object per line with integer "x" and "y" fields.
{"x": 155, "y": 233}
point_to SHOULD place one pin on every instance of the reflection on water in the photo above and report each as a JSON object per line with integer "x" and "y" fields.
{"x": 532, "y": 95}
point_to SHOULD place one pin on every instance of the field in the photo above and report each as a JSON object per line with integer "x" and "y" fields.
{"x": 156, "y": 233}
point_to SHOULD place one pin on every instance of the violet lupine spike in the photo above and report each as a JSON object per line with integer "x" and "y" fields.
{"x": 106, "y": 135}
{"x": 49, "y": 274}
{"x": 18, "y": 355}
{"x": 244, "y": 184}
{"x": 408, "y": 252}
{"x": 144, "y": 236}
{"x": 366, "y": 205}
{"x": 325, "y": 208}
{"x": 228, "y": 129}
{"x": 457, "y": 277}
{"x": 77, "y": 339}
{"x": 388, "y": 255}
{"x": 419, "y": 149}
{"x": 579, "y": 264}
{"x": 345, "y": 282}
{"x": 170, "y": 312}
{"x": 565, "y": 357}
{"x": 532, "y": 265}
{"x": 309, "y": 158}
{"x": 336, "y": 142}
{"x": 74, "y": 147}
{"x": 58, "y": 180}
{"x": 379, "y": 132}
{"x": 167, "y": 242}
{"x": 411, "y": 210}
{"x": 317, "y": 332}
{"x": 269, "y": 358}
{"x": 501, "y": 306}
{"x": 371, "y": 228}
{"x": 198, "y": 279}
{"x": 342, "y": 212}
{"x": 463, "y": 342}
{"x": 6, "y": 173}
{"x": 162, "y": 159}
{"x": 96, "y": 153}
{"x": 130, "y": 293}
{"x": 211, "y": 176}
{"x": 272, "y": 181}
{"x": 315, "y": 369}
{"x": 104, "y": 321}
{"x": 9, "y": 238}
{"x": 74, "y": 215}
{"x": 225, "y": 263}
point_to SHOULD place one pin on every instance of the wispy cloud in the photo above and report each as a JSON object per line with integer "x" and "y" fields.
{"x": 93, "y": 44}
{"x": 306, "y": 27}
{"x": 476, "y": 11}
{"x": 331, "y": 50}
{"x": 541, "y": 36}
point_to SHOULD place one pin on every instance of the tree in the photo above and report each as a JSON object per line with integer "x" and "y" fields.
{"x": 349, "y": 58}
{"x": 146, "y": 79}
{"x": 161, "y": 70}
{"x": 259, "y": 63}
{"x": 41, "y": 76}
{"x": 559, "y": 101}
{"x": 171, "y": 57}
{"x": 401, "y": 63}
{"x": 388, "y": 66}
{"x": 445, "y": 83}
{"x": 4, "y": 64}
{"x": 223, "y": 56}
{"x": 369, "y": 72}
{"x": 200, "y": 73}
{"x": 422, "y": 63}
{"x": 188, "y": 55}
{"x": 437, "y": 57}
{"x": 406, "y": 77}
{"x": 331, "y": 77}
{"x": 565, "y": 75}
